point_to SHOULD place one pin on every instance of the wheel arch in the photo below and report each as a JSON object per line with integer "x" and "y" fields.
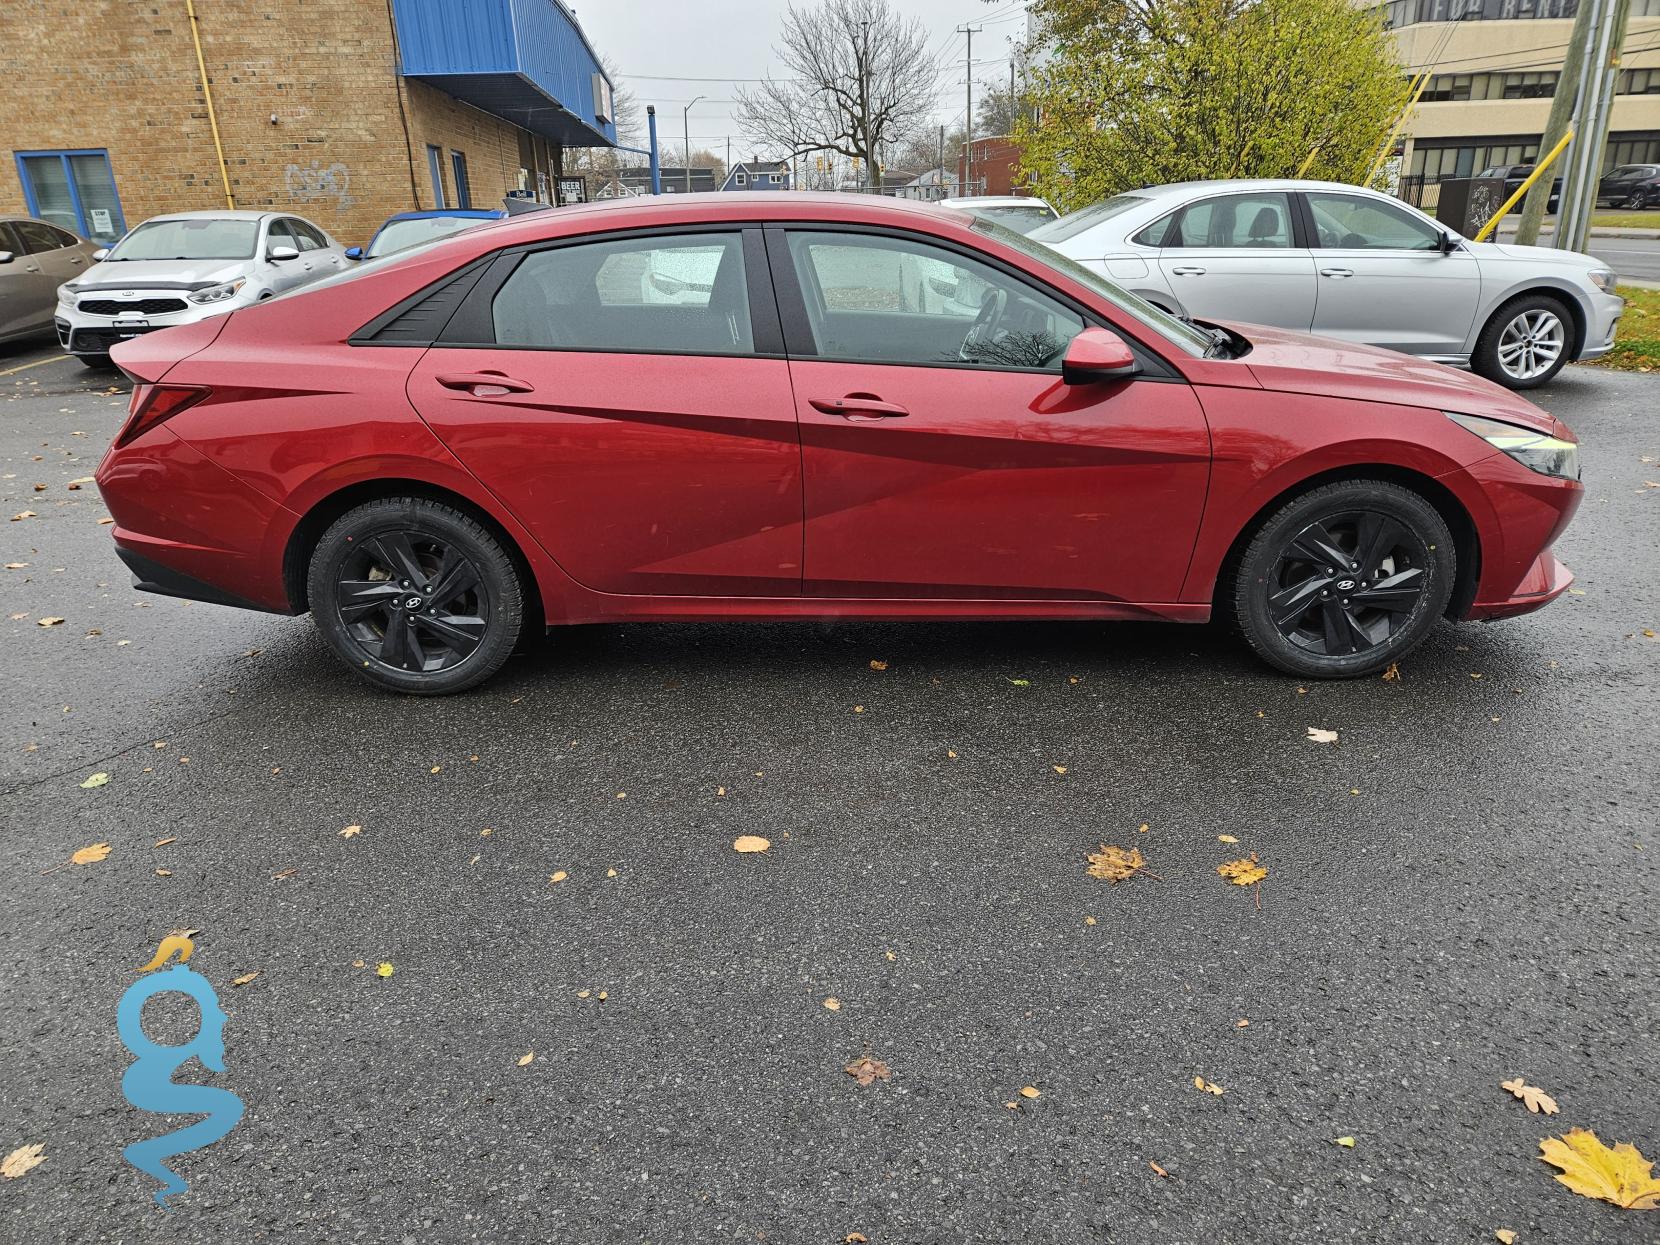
{"x": 302, "y": 541}
{"x": 1466, "y": 538}
{"x": 1548, "y": 287}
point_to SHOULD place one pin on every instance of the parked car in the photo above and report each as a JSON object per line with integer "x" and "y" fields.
{"x": 35, "y": 258}
{"x": 407, "y": 229}
{"x": 1020, "y": 213}
{"x": 1515, "y": 174}
{"x": 1349, "y": 263}
{"x": 185, "y": 267}
{"x": 435, "y": 453}
{"x": 1630, "y": 186}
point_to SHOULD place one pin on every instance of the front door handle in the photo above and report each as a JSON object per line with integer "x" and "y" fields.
{"x": 1337, "y": 273}
{"x": 484, "y": 384}
{"x": 1188, "y": 271}
{"x": 859, "y": 407}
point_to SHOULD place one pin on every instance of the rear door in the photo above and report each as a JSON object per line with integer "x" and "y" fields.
{"x": 30, "y": 282}
{"x": 1240, "y": 257}
{"x": 628, "y": 398}
{"x": 1384, "y": 280}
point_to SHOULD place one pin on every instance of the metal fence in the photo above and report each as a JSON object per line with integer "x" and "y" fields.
{"x": 1423, "y": 193}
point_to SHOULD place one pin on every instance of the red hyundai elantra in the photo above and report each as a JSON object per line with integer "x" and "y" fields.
{"x": 793, "y": 406}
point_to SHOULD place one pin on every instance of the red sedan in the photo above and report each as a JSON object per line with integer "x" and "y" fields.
{"x": 793, "y": 406}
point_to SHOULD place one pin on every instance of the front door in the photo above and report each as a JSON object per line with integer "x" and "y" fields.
{"x": 28, "y": 291}
{"x": 1236, "y": 257}
{"x": 1384, "y": 279}
{"x": 625, "y": 412}
{"x": 944, "y": 457}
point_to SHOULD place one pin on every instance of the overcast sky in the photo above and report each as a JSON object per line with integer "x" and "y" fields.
{"x": 652, "y": 42}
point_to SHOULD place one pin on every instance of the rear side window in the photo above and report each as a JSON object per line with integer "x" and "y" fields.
{"x": 1235, "y": 222}
{"x": 40, "y": 238}
{"x": 684, "y": 294}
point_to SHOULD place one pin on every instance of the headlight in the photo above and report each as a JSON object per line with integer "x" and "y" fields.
{"x": 66, "y": 293}
{"x": 1549, "y": 456}
{"x": 219, "y": 293}
{"x": 1603, "y": 279}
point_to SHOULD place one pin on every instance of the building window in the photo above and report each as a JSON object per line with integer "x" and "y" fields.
{"x": 1410, "y": 12}
{"x": 463, "y": 191}
{"x": 741, "y": 179}
{"x": 435, "y": 170}
{"x": 772, "y": 179}
{"x": 1640, "y": 81}
{"x": 75, "y": 190}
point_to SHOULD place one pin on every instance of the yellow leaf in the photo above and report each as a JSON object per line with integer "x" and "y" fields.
{"x": 1226, "y": 838}
{"x": 91, "y": 855}
{"x": 951, "y": 754}
{"x": 610, "y": 873}
{"x": 1242, "y": 1023}
{"x": 164, "y": 873}
{"x": 435, "y": 769}
{"x": 1031, "y": 1091}
{"x": 1089, "y": 920}
{"x": 1318, "y": 736}
{"x": 21, "y": 1160}
{"x": 1060, "y": 769}
{"x": 1393, "y": 674}
{"x": 858, "y": 708}
{"x": 1210, "y": 1087}
{"x": 49, "y": 622}
{"x": 878, "y": 665}
{"x": 1620, "y": 1175}
{"x": 524, "y": 1059}
{"x": 557, "y": 877}
{"x": 1115, "y": 864}
{"x": 351, "y": 832}
{"x": 95, "y": 780}
{"x": 750, "y": 843}
{"x": 1158, "y": 1171}
{"x": 601, "y": 996}
{"x": 1243, "y": 872}
{"x": 164, "y": 842}
{"x": 1537, "y": 1099}
{"x": 384, "y": 969}
{"x": 1347, "y": 1143}
{"x": 832, "y": 1004}
{"x": 582, "y": 994}
{"x": 1021, "y": 682}
{"x": 855, "y": 1238}
{"x": 1505, "y": 1235}
{"x": 244, "y": 979}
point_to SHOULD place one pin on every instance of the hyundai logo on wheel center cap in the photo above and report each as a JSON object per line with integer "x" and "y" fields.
{"x": 1345, "y": 585}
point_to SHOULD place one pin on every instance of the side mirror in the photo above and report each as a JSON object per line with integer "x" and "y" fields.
{"x": 102, "y": 253}
{"x": 1097, "y": 355}
{"x": 279, "y": 254}
{"x": 6, "y": 257}
{"x": 354, "y": 252}
{"x": 1449, "y": 244}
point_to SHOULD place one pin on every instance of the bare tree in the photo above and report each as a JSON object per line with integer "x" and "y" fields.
{"x": 862, "y": 80}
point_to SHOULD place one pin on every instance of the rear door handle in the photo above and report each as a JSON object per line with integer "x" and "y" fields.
{"x": 1338, "y": 273}
{"x": 1188, "y": 271}
{"x": 859, "y": 407}
{"x": 484, "y": 384}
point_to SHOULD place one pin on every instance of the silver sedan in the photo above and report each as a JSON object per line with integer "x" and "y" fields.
{"x": 1345, "y": 262}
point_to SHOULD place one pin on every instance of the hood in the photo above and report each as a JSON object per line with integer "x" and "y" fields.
{"x": 1302, "y": 363}
{"x": 1534, "y": 255}
{"x": 138, "y": 274}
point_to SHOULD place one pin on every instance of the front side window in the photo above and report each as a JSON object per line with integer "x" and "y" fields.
{"x": 1347, "y": 222}
{"x": 201, "y": 237}
{"x": 1235, "y": 222}
{"x": 891, "y": 300}
{"x": 682, "y": 294}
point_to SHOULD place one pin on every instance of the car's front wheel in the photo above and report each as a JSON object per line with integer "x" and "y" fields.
{"x": 1345, "y": 579}
{"x": 1527, "y": 342}
{"x": 416, "y": 596}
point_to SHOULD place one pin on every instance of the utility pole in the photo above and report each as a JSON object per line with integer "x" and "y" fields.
{"x": 686, "y": 134}
{"x": 968, "y": 115}
{"x": 1596, "y": 131}
{"x": 1562, "y": 108}
{"x": 942, "y": 161}
{"x": 1596, "y": 84}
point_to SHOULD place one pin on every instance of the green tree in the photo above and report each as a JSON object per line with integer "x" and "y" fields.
{"x": 1142, "y": 92}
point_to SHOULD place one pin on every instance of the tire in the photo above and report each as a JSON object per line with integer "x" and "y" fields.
{"x": 1526, "y": 342}
{"x": 1291, "y": 607}
{"x": 454, "y": 624}
{"x": 95, "y": 360}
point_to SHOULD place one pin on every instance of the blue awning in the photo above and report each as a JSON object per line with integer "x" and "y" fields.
{"x": 525, "y": 61}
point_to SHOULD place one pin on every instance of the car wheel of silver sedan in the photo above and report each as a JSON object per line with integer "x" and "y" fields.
{"x": 1526, "y": 342}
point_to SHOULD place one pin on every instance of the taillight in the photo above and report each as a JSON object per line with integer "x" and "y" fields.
{"x": 155, "y": 404}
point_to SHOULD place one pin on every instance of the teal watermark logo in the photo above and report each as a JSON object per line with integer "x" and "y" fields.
{"x": 148, "y": 1083}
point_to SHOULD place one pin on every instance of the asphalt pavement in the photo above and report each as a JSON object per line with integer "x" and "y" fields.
{"x": 1462, "y": 889}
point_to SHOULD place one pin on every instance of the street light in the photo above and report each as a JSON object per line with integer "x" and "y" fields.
{"x": 686, "y": 133}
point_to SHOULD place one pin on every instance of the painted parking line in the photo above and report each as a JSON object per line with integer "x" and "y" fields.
{"x": 23, "y": 367}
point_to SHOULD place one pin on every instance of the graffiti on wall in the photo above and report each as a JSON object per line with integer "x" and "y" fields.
{"x": 313, "y": 182}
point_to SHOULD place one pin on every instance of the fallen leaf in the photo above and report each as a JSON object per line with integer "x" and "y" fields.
{"x": 610, "y": 873}
{"x": 951, "y": 754}
{"x": 16, "y": 566}
{"x": 858, "y": 708}
{"x": 1242, "y": 1023}
{"x": 832, "y": 1004}
{"x": 1210, "y": 1087}
{"x": 866, "y": 1070}
{"x": 1031, "y": 1091}
{"x": 1318, "y": 736}
{"x": 105, "y": 522}
{"x": 1537, "y": 1099}
{"x": 1059, "y": 769}
{"x": 435, "y": 769}
{"x": 1089, "y": 920}
{"x": 558, "y": 876}
{"x": 80, "y": 480}
{"x": 878, "y": 665}
{"x": 351, "y": 832}
{"x": 855, "y": 1238}
{"x": 1158, "y": 1171}
{"x": 1115, "y": 864}
{"x": 384, "y": 970}
{"x": 750, "y": 843}
{"x": 1393, "y": 674}
{"x": 244, "y": 979}
{"x": 26, "y": 514}
{"x": 1226, "y": 838}
{"x": 21, "y": 1160}
{"x": 49, "y": 622}
{"x": 90, "y": 855}
{"x": 164, "y": 873}
{"x": 95, "y": 780}
{"x": 525, "y": 1059}
{"x": 1021, "y": 682}
{"x": 286, "y": 873}
{"x": 1348, "y": 1143}
{"x": 1244, "y": 872}
{"x": 1505, "y": 1235}
{"x": 601, "y": 996}
{"x": 1620, "y": 1175}
{"x": 582, "y": 994}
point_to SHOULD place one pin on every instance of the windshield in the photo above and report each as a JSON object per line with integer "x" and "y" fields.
{"x": 1195, "y": 341}
{"x": 1074, "y": 223}
{"x": 191, "y": 238}
{"x": 1020, "y": 217}
{"x": 398, "y": 234}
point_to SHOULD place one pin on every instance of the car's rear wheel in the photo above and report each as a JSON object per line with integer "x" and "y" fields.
{"x": 1345, "y": 579}
{"x": 416, "y": 596}
{"x": 1527, "y": 342}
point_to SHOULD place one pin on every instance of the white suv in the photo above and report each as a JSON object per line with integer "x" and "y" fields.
{"x": 188, "y": 266}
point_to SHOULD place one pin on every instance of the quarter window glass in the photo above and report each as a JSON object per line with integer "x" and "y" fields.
{"x": 683, "y": 295}
{"x": 1236, "y": 221}
{"x": 887, "y": 300}
{"x": 1345, "y": 222}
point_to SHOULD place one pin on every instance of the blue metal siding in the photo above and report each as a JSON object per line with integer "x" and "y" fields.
{"x": 521, "y": 60}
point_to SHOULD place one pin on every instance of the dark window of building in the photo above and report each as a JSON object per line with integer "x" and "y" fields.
{"x": 435, "y": 169}
{"x": 463, "y": 190}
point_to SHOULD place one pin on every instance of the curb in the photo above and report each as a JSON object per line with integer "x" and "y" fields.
{"x": 1599, "y": 232}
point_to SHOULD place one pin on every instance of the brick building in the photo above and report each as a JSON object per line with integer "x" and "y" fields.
{"x": 343, "y": 111}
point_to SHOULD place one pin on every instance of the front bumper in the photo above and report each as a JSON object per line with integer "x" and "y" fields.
{"x": 1601, "y": 324}
{"x": 1545, "y": 580}
{"x": 82, "y": 333}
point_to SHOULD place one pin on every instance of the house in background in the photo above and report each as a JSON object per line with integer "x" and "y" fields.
{"x": 758, "y": 175}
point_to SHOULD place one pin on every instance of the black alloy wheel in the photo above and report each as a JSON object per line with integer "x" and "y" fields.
{"x": 416, "y": 596}
{"x": 1345, "y": 579}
